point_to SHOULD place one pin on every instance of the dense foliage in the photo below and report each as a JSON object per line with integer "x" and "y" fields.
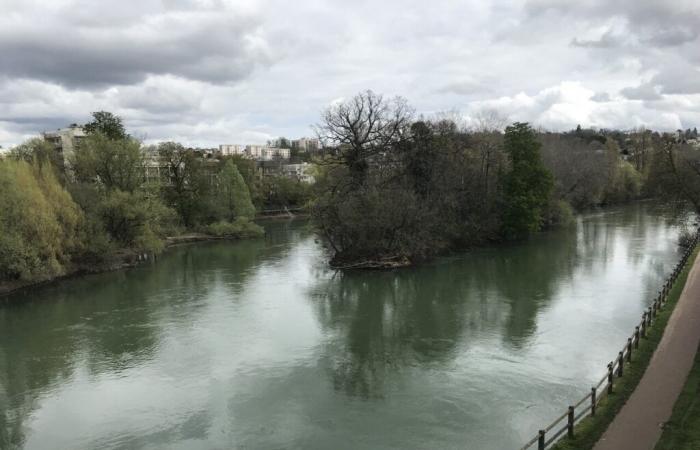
{"x": 103, "y": 203}
{"x": 398, "y": 190}
{"x": 527, "y": 184}
{"x": 390, "y": 189}
{"x": 39, "y": 222}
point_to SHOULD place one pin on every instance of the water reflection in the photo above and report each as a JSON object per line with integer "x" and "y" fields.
{"x": 421, "y": 316}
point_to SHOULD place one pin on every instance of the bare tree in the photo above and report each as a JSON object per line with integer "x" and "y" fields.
{"x": 489, "y": 121}
{"x": 486, "y": 131}
{"x": 362, "y": 127}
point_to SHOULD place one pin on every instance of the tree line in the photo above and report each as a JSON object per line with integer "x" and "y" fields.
{"x": 58, "y": 215}
{"x": 400, "y": 189}
{"x": 392, "y": 189}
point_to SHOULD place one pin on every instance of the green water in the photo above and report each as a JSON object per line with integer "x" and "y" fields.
{"x": 258, "y": 345}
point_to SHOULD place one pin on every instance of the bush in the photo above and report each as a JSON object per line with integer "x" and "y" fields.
{"x": 241, "y": 228}
{"x": 626, "y": 184}
{"x": 559, "y": 213}
{"x": 136, "y": 220}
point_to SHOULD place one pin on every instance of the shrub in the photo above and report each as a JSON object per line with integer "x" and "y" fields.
{"x": 240, "y": 228}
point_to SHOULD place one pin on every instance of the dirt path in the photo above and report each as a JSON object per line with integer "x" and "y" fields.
{"x": 638, "y": 424}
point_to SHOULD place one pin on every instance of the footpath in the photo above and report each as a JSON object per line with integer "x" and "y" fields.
{"x": 639, "y": 423}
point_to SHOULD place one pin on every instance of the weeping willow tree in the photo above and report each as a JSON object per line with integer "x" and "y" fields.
{"x": 39, "y": 222}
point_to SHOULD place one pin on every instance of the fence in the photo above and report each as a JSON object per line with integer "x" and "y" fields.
{"x": 285, "y": 210}
{"x": 587, "y": 405}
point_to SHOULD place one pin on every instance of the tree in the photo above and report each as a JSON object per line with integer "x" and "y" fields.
{"x": 116, "y": 164}
{"x": 282, "y": 191}
{"x": 38, "y": 222}
{"x": 235, "y": 193}
{"x": 106, "y": 123}
{"x": 249, "y": 171}
{"x": 135, "y": 219}
{"x": 363, "y": 127}
{"x": 675, "y": 172}
{"x": 283, "y": 142}
{"x": 36, "y": 149}
{"x": 527, "y": 185}
{"x": 189, "y": 186}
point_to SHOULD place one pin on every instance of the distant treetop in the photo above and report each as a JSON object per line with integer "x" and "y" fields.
{"x": 108, "y": 124}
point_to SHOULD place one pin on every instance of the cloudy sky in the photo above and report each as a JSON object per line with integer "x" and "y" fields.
{"x": 206, "y": 72}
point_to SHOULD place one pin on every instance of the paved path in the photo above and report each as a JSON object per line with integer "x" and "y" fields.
{"x": 638, "y": 424}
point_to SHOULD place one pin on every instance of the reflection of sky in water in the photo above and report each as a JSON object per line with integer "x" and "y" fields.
{"x": 258, "y": 345}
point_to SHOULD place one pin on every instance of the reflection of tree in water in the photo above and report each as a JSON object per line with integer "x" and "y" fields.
{"x": 390, "y": 322}
{"x": 107, "y": 322}
{"x": 634, "y": 229}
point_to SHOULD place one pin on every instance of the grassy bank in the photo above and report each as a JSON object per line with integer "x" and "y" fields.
{"x": 682, "y": 431}
{"x": 590, "y": 429}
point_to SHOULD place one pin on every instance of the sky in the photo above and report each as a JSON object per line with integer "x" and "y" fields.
{"x": 210, "y": 72}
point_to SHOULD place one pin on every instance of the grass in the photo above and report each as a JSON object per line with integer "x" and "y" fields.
{"x": 590, "y": 429}
{"x": 682, "y": 431}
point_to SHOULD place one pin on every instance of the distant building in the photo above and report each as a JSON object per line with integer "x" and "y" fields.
{"x": 231, "y": 149}
{"x": 65, "y": 140}
{"x": 265, "y": 153}
{"x": 301, "y": 172}
{"x": 306, "y": 145}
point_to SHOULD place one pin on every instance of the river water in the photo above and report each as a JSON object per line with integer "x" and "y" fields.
{"x": 258, "y": 345}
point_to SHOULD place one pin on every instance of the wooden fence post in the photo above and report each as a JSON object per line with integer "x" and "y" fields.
{"x": 620, "y": 364}
{"x": 644, "y": 324}
{"x": 540, "y": 441}
{"x": 593, "y": 400}
{"x": 629, "y": 349}
{"x": 636, "y": 337}
{"x": 610, "y": 378}
{"x": 570, "y": 425}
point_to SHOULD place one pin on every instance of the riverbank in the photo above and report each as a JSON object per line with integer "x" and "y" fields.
{"x": 122, "y": 259}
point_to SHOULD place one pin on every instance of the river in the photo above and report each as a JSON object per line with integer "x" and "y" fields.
{"x": 258, "y": 345}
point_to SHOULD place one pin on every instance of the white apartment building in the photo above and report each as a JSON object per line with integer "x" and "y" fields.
{"x": 65, "y": 140}
{"x": 306, "y": 144}
{"x": 265, "y": 153}
{"x": 231, "y": 149}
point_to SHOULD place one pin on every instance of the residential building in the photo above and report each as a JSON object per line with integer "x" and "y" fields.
{"x": 301, "y": 172}
{"x": 265, "y": 153}
{"x": 306, "y": 144}
{"x": 65, "y": 140}
{"x": 231, "y": 149}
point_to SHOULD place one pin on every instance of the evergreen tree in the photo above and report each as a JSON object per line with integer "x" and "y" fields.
{"x": 236, "y": 193}
{"x": 528, "y": 184}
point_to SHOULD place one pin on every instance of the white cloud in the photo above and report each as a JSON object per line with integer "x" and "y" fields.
{"x": 213, "y": 71}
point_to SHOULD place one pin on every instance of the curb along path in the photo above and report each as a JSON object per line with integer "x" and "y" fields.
{"x": 638, "y": 425}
